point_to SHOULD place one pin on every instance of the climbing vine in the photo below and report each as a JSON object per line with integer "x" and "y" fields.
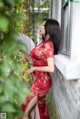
{"x": 13, "y": 90}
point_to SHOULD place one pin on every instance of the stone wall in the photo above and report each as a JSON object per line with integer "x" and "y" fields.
{"x": 67, "y": 96}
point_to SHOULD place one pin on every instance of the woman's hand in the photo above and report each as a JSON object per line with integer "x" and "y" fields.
{"x": 29, "y": 71}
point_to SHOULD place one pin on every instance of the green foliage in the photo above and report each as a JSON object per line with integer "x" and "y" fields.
{"x": 45, "y": 4}
{"x": 4, "y": 23}
{"x": 13, "y": 77}
{"x": 25, "y": 66}
{"x": 38, "y": 17}
{"x": 13, "y": 90}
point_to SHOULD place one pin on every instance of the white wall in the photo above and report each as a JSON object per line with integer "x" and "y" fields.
{"x": 57, "y": 10}
{"x": 61, "y": 61}
{"x": 75, "y": 33}
{"x": 67, "y": 92}
{"x": 67, "y": 96}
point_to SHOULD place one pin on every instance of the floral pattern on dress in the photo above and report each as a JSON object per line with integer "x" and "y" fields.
{"x": 42, "y": 80}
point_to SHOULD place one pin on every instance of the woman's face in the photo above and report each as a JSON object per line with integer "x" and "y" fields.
{"x": 42, "y": 29}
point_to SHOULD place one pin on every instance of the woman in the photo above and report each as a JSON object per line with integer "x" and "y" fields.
{"x": 43, "y": 62}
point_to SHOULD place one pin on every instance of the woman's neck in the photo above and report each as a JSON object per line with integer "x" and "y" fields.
{"x": 47, "y": 37}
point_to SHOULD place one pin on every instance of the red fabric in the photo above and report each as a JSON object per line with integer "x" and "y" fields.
{"x": 42, "y": 80}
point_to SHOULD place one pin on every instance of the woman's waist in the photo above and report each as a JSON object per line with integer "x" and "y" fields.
{"x": 39, "y": 63}
{"x": 41, "y": 74}
{"x": 42, "y": 78}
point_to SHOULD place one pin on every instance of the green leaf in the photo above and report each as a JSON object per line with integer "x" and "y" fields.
{"x": 9, "y": 3}
{"x": 1, "y": 87}
{"x": 4, "y": 23}
{"x": 2, "y": 99}
{"x": 23, "y": 48}
{"x": 7, "y": 107}
{"x": 24, "y": 17}
{"x": 10, "y": 116}
{"x": 19, "y": 1}
{"x": 5, "y": 67}
{"x": 10, "y": 88}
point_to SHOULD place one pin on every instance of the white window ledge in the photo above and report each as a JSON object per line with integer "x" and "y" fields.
{"x": 69, "y": 68}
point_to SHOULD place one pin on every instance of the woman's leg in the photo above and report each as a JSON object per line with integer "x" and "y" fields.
{"x": 32, "y": 103}
{"x": 35, "y": 113}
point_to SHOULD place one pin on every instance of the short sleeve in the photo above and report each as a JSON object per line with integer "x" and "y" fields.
{"x": 48, "y": 49}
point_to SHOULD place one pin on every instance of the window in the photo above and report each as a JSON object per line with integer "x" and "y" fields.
{"x": 65, "y": 28}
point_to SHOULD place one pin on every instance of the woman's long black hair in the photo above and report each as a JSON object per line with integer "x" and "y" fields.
{"x": 52, "y": 28}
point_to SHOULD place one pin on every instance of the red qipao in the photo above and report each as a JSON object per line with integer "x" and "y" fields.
{"x": 42, "y": 80}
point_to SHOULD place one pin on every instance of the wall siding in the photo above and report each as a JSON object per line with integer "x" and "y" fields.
{"x": 67, "y": 96}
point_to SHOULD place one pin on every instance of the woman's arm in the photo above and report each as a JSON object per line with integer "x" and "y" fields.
{"x": 48, "y": 68}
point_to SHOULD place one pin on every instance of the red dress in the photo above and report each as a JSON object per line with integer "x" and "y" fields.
{"x": 42, "y": 80}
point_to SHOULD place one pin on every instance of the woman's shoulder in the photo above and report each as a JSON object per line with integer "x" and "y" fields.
{"x": 48, "y": 43}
